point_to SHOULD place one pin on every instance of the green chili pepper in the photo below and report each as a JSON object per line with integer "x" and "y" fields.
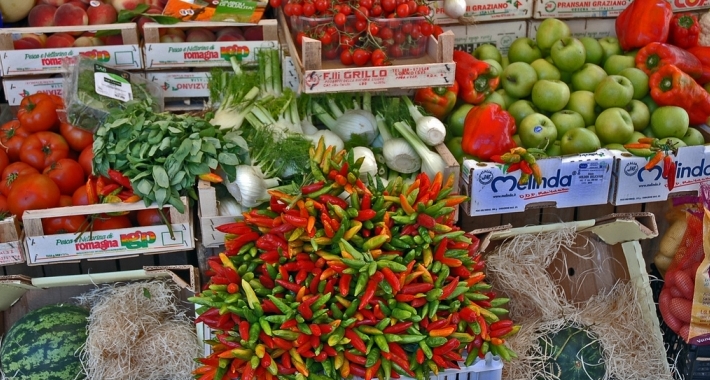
{"x": 427, "y": 351}
{"x": 381, "y": 343}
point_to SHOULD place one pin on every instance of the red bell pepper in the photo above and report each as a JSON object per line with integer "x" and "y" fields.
{"x": 476, "y": 78}
{"x": 670, "y": 86}
{"x": 702, "y": 53}
{"x": 685, "y": 30}
{"x": 488, "y": 131}
{"x": 657, "y": 54}
{"x": 643, "y": 22}
{"x": 438, "y": 101}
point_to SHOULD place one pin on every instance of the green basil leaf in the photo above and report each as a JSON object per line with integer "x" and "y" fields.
{"x": 228, "y": 158}
{"x": 197, "y": 168}
{"x": 195, "y": 157}
{"x": 161, "y": 196}
{"x": 212, "y": 162}
{"x": 160, "y": 176}
{"x": 177, "y": 178}
{"x": 177, "y": 203}
{"x": 208, "y": 148}
{"x": 184, "y": 150}
{"x": 144, "y": 187}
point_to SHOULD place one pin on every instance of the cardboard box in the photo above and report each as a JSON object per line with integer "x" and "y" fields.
{"x": 587, "y": 27}
{"x": 50, "y": 249}
{"x": 632, "y": 183}
{"x": 181, "y": 84}
{"x": 160, "y": 55}
{"x": 579, "y": 8}
{"x": 209, "y": 216}
{"x": 607, "y": 251}
{"x": 568, "y": 181}
{"x": 487, "y": 10}
{"x": 499, "y": 34}
{"x": 11, "y": 251}
{"x": 689, "y": 5}
{"x": 18, "y": 88}
{"x": 46, "y": 61}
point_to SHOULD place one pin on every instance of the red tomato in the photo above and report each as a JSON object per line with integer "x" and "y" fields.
{"x": 86, "y": 160}
{"x": 378, "y": 54}
{"x": 362, "y": 13}
{"x": 360, "y": 25}
{"x": 423, "y": 10}
{"x": 373, "y": 28}
{"x": 339, "y": 19}
{"x": 12, "y": 135}
{"x": 345, "y": 9}
{"x": 11, "y": 173}
{"x": 366, "y": 3}
{"x": 331, "y": 52}
{"x": 399, "y": 37}
{"x": 309, "y": 9}
{"x": 38, "y": 113}
{"x": 65, "y": 200}
{"x": 4, "y": 160}
{"x": 4, "y": 210}
{"x": 105, "y": 222}
{"x": 57, "y": 100}
{"x": 80, "y": 197}
{"x": 396, "y": 51}
{"x": 32, "y": 192}
{"x": 361, "y": 57}
{"x": 386, "y": 33}
{"x": 346, "y": 57}
{"x": 42, "y": 149}
{"x": 326, "y": 39}
{"x": 64, "y": 224}
{"x": 151, "y": 217}
{"x": 403, "y": 10}
{"x": 407, "y": 28}
{"x": 376, "y": 11}
{"x": 346, "y": 42}
{"x": 67, "y": 174}
{"x": 427, "y": 29}
{"x": 275, "y": 3}
{"x": 76, "y": 137}
{"x": 388, "y": 5}
{"x": 322, "y": 5}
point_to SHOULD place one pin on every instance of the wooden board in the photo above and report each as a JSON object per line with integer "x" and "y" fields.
{"x": 11, "y": 251}
{"x": 209, "y": 216}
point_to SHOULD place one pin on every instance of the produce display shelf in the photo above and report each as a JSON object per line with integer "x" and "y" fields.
{"x": 436, "y": 68}
{"x": 11, "y": 250}
{"x": 48, "y": 61}
{"x": 41, "y": 249}
{"x": 183, "y": 90}
{"x": 182, "y": 55}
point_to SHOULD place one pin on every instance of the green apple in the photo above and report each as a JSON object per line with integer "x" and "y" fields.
{"x": 614, "y": 91}
{"x": 495, "y": 97}
{"x": 566, "y": 76}
{"x": 588, "y": 77}
{"x": 640, "y": 115}
{"x": 592, "y": 128}
{"x": 579, "y": 140}
{"x": 648, "y": 132}
{"x": 650, "y": 103}
{"x": 583, "y": 103}
{"x": 565, "y": 120}
{"x": 610, "y": 46}
{"x": 617, "y": 62}
{"x": 545, "y": 69}
{"x": 455, "y": 120}
{"x": 549, "y": 31}
{"x": 614, "y": 125}
{"x": 495, "y": 65}
{"x": 673, "y": 141}
{"x": 568, "y": 54}
{"x": 520, "y": 109}
{"x": 693, "y": 137}
{"x": 550, "y": 95}
{"x": 505, "y": 62}
{"x": 638, "y": 79}
{"x": 593, "y": 49}
{"x": 516, "y": 140}
{"x": 669, "y": 121}
{"x": 487, "y": 51}
{"x": 635, "y": 137}
{"x": 506, "y": 97}
{"x": 554, "y": 149}
{"x": 518, "y": 79}
{"x": 537, "y": 131}
{"x": 524, "y": 49}
{"x": 615, "y": 146}
{"x": 632, "y": 53}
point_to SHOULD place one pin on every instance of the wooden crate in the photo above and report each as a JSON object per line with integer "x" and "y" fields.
{"x": 200, "y": 54}
{"x": 47, "y": 61}
{"x": 209, "y": 216}
{"x": 437, "y": 68}
{"x": 43, "y": 249}
{"x": 11, "y": 251}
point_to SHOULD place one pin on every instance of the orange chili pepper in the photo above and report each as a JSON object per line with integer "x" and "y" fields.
{"x": 405, "y": 205}
{"x": 211, "y": 178}
{"x": 445, "y": 332}
{"x": 654, "y": 160}
{"x": 455, "y": 200}
{"x": 311, "y": 224}
{"x": 475, "y": 278}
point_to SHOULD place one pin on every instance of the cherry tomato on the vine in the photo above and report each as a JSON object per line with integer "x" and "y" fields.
{"x": 362, "y": 13}
{"x": 373, "y": 29}
{"x": 321, "y": 5}
{"x": 388, "y": 5}
{"x": 339, "y": 19}
{"x": 412, "y": 7}
{"x": 346, "y": 57}
{"x": 423, "y": 10}
{"x": 309, "y": 9}
{"x": 366, "y": 3}
{"x": 346, "y": 41}
{"x": 399, "y": 37}
{"x": 296, "y": 9}
{"x": 326, "y": 39}
{"x": 299, "y": 38}
{"x": 403, "y": 10}
{"x": 395, "y": 51}
{"x": 407, "y": 28}
{"x": 437, "y": 31}
{"x": 378, "y": 54}
{"x": 346, "y": 10}
{"x": 427, "y": 29}
{"x": 386, "y": 33}
{"x": 275, "y": 3}
{"x": 360, "y": 25}
{"x": 361, "y": 57}
{"x": 331, "y": 52}
{"x": 376, "y": 10}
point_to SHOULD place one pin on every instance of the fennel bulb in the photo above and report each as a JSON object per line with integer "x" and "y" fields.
{"x": 432, "y": 162}
{"x": 369, "y": 164}
{"x": 228, "y": 206}
{"x": 429, "y": 129}
{"x": 397, "y": 152}
{"x": 249, "y": 189}
{"x": 349, "y": 123}
{"x": 329, "y": 138}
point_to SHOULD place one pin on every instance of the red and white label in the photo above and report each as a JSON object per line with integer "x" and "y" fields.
{"x": 356, "y": 79}
{"x": 47, "y": 61}
{"x": 10, "y": 253}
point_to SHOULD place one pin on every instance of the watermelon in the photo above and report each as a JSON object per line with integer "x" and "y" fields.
{"x": 44, "y": 344}
{"x": 573, "y": 354}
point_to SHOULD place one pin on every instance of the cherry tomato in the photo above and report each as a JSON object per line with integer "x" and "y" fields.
{"x": 275, "y": 3}
{"x": 373, "y": 29}
{"x": 346, "y": 10}
{"x": 388, "y": 5}
{"x": 416, "y": 33}
{"x": 403, "y": 10}
{"x": 299, "y": 38}
{"x": 11, "y": 173}
{"x": 399, "y": 37}
{"x": 309, "y": 9}
{"x": 339, "y": 19}
{"x": 331, "y": 52}
{"x": 296, "y": 9}
{"x": 376, "y": 10}
{"x": 326, "y": 39}
{"x": 321, "y": 5}
{"x": 362, "y": 13}
{"x": 423, "y": 10}
{"x": 412, "y": 7}
{"x": 379, "y": 62}
{"x": 396, "y": 51}
{"x": 360, "y": 25}
{"x": 67, "y": 174}
{"x": 437, "y": 31}
{"x": 32, "y": 192}
{"x": 416, "y": 51}
{"x": 361, "y": 57}
{"x": 378, "y": 54}
{"x": 427, "y": 29}
{"x": 386, "y": 33}
{"x": 333, "y": 31}
{"x": 366, "y": 3}
{"x": 41, "y": 149}
{"x": 407, "y": 28}
{"x": 288, "y": 9}
{"x": 346, "y": 57}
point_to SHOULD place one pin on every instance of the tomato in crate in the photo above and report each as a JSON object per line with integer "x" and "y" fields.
{"x": 324, "y": 29}
{"x": 404, "y": 37}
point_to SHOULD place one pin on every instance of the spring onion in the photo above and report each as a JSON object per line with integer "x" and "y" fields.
{"x": 432, "y": 163}
{"x": 398, "y": 154}
{"x": 429, "y": 129}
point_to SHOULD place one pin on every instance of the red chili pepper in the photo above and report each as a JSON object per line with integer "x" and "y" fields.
{"x": 364, "y": 215}
{"x": 352, "y": 358}
{"x": 371, "y": 372}
{"x": 450, "y": 345}
{"x": 277, "y": 205}
{"x": 291, "y": 323}
{"x": 405, "y": 297}
{"x": 392, "y": 279}
{"x": 295, "y": 220}
{"x": 672, "y": 176}
{"x": 332, "y": 199}
{"x": 271, "y": 241}
{"x": 356, "y": 341}
{"x": 365, "y": 202}
{"x": 372, "y": 284}
{"x": 268, "y": 341}
{"x": 120, "y": 179}
{"x": 418, "y": 302}
{"x": 307, "y": 189}
{"x": 420, "y": 356}
{"x": 368, "y": 314}
{"x": 271, "y": 257}
{"x": 91, "y": 190}
{"x": 426, "y": 221}
{"x": 497, "y": 333}
{"x": 244, "y": 330}
{"x": 449, "y": 288}
{"x": 313, "y": 286}
{"x": 236, "y": 228}
{"x": 232, "y": 246}
{"x": 344, "y": 284}
{"x": 330, "y": 285}
{"x": 439, "y": 361}
{"x": 397, "y": 328}
{"x": 288, "y": 285}
{"x": 305, "y": 307}
{"x": 421, "y": 287}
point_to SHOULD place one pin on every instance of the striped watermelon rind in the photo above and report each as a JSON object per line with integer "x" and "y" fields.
{"x": 573, "y": 353}
{"x": 44, "y": 344}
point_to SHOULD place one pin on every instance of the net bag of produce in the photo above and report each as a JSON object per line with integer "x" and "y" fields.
{"x": 681, "y": 210}
{"x": 684, "y": 300}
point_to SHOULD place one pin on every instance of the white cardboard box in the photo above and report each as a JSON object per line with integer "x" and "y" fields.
{"x": 583, "y": 27}
{"x": 181, "y": 84}
{"x": 579, "y": 8}
{"x": 16, "y": 88}
{"x": 499, "y": 34}
{"x": 568, "y": 181}
{"x": 487, "y": 10}
{"x": 633, "y": 184}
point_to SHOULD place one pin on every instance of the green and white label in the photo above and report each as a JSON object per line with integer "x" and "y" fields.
{"x": 234, "y": 10}
{"x": 111, "y": 83}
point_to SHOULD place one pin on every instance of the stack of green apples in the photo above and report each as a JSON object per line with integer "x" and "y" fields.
{"x": 575, "y": 95}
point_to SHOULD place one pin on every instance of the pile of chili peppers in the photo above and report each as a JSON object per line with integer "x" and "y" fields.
{"x": 381, "y": 284}
{"x": 657, "y": 150}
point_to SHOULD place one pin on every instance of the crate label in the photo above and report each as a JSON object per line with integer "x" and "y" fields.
{"x": 112, "y": 83}
{"x": 491, "y": 10}
{"x": 689, "y": 5}
{"x": 182, "y": 85}
{"x": 634, "y": 184}
{"x": 17, "y": 89}
{"x": 205, "y": 54}
{"x": 290, "y": 74}
{"x": 570, "y": 181}
{"x": 119, "y": 242}
{"x": 216, "y": 10}
{"x": 434, "y": 74}
{"x": 592, "y": 27}
{"x": 579, "y": 8}
{"x": 498, "y": 34}
{"x": 39, "y": 61}
{"x": 10, "y": 253}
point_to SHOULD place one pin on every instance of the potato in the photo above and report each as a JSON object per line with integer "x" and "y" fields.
{"x": 672, "y": 238}
{"x": 14, "y": 10}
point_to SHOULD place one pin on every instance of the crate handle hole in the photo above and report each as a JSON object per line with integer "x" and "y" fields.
{"x": 570, "y": 271}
